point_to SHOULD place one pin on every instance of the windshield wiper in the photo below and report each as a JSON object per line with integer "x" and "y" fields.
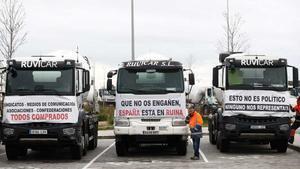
{"x": 49, "y": 90}
{"x": 22, "y": 89}
{"x": 132, "y": 90}
{"x": 157, "y": 90}
{"x": 147, "y": 90}
{"x": 242, "y": 86}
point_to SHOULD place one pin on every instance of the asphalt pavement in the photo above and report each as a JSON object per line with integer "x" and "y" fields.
{"x": 153, "y": 156}
{"x": 109, "y": 134}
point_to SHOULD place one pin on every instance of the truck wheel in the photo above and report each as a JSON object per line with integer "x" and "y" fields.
{"x": 121, "y": 148}
{"x": 222, "y": 144}
{"x": 273, "y": 145}
{"x": 77, "y": 150}
{"x": 212, "y": 137}
{"x": 94, "y": 142}
{"x": 181, "y": 147}
{"x": 12, "y": 152}
{"x": 86, "y": 143}
{"x": 22, "y": 151}
{"x": 281, "y": 146}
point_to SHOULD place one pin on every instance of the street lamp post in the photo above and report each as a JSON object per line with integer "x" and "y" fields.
{"x": 227, "y": 18}
{"x": 132, "y": 30}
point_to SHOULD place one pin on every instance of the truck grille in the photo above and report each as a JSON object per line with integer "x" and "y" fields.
{"x": 150, "y": 120}
{"x": 39, "y": 125}
{"x": 263, "y": 120}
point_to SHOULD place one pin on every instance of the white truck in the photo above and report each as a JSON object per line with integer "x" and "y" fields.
{"x": 150, "y": 104}
{"x": 49, "y": 102}
{"x": 253, "y": 98}
{"x": 208, "y": 100}
{"x": 106, "y": 97}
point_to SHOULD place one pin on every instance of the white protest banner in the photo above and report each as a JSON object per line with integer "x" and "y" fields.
{"x": 257, "y": 103}
{"x": 27, "y": 109}
{"x": 171, "y": 105}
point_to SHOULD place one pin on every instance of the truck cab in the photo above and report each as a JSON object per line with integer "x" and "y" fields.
{"x": 253, "y": 101}
{"x": 49, "y": 102}
{"x": 106, "y": 96}
{"x": 209, "y": 100}
{"x": 150, "y": 104}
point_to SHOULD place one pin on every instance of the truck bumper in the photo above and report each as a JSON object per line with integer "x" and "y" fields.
{"x": 59, "y": 135}
{"x": 151, "y": 130}
{"x": 151, "y": 133}
{"x": 134, "y": 140}
{"x": 255, "y": 128}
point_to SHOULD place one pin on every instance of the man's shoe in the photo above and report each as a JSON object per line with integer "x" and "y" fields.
{"x": 195, "y": 158}
{"x": 291, "y": 140}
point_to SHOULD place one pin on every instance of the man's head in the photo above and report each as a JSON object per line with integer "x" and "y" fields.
{"x": 191, "y": 108}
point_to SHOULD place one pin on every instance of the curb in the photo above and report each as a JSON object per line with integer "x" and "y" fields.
{"x": 113, "y": 137}
{"x": 106, "y": 137}
{"x": 296, "y": 148}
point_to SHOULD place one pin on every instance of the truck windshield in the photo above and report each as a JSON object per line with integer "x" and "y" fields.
{"x": 257, "y": 78}
{"x": 40, "y": 82}
{"x": 153, "y": 81}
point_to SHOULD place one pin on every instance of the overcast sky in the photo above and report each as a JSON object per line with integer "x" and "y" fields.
{"x": 175, "y": 28}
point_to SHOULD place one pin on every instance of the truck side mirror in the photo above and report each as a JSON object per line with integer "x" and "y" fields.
{"x": 111, "y": 73}
{"x": 100, "y": 93}
{"x": 13, "y": 72}
{"x": 216, "y": 76}
{"x": 209, "y": 92}
{"x": 86, "y": 81}
{"x": 293, "y": 92}
{"x": 191, "y": 79}
{"x": 295, "y": 78}
{"x": 87, "y": 87}
{"x": 109, "y": 84}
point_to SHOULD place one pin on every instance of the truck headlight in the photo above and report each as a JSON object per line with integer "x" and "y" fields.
{"x": 122, "y": 122}
{"x": 284, "y": 127}
{"x": 178, "y": 122}
{"x": 69, "y": 131}
{"x": 8, "y": 131}
{"x": 230, "y": 126}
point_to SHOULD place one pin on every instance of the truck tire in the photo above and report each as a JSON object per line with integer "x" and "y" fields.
{"x": 77, "y": 150}
{"x": 273, "y": 145}
{"x": 12, "y": 152}
{"x": 222, "y": 143}
{"x": 212, "y": 137}
{"x": 86, "y": 143}
{"x": 181, "y": 147}
{"x": 121, "y": 148}
{"x": 281, "y": 145}
{"x": 94, "y": 142}
{"x": 22, "y": 151}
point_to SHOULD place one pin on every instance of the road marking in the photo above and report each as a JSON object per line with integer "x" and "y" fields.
{"x": 201, "y": 152}
{"x": 99, "y": 155}
{"x": 2, "y": 154}
{"x": 203, "y": 156}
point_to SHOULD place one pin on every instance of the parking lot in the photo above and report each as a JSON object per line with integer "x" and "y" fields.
{"x": 241, "y": 156}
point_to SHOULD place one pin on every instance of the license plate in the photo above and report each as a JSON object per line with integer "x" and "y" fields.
{"x": 163, "y": 128}
{"x": 38, "y": 132}
{"x": 258, "y": 127}
{"x": 150, "y": 132}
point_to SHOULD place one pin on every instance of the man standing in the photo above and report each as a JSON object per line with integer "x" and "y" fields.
{"x": 195, "y": 121}
{"x": 296, "y": 123}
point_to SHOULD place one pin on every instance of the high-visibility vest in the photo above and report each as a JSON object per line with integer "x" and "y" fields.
{"x": 196, "y": 118}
